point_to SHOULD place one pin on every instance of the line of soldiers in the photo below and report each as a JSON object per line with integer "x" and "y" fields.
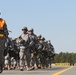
{"x": 28, "y": 51}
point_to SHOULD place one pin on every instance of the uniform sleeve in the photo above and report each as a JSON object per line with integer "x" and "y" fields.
{"x": 32, "y": 40}
{"x": 6, "y": 30}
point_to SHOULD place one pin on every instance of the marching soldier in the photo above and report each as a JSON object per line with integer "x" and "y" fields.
{"x": 3, "y": 36}
{"x": 33, "y": 42}
{"x": 39, "y": 48}
{"x": 24, "y": 49}
{"x": 51, "y": 53}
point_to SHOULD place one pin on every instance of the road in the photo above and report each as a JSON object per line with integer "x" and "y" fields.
{"x": 53, "y": 71}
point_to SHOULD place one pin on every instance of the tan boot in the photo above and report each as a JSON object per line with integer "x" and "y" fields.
{"x": 21, "y": 68}
{"x": 28, "y": 68}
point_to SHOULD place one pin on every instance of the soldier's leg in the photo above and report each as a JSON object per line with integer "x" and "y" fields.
{"x": 28, "y": 58}
{"x": 39, "y": 61}
{"x": 18, "y": 59}
{"x": 2, "y": 41}
{"x": 32, "y": 61}
{"x": 21, "y": 54}
{"x": 50, "y": 63}
{"x": 47, "y": 63}
{"x": 35, "y": 61}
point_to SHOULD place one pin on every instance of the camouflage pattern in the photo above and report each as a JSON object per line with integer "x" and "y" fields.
{"x": 26, "y": 51}
{"x": 33, "y": 49}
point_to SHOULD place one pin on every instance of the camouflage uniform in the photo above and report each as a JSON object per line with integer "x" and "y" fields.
{"x": 40, "y": 48}
{"x": 8, "y": 52}
{"x": 51, "y": 53}
{"x": 24, "y": 50}
{"x": 7, "y": 62}
{"x": 17, "y": 50}
{"x": 33, "y": 42}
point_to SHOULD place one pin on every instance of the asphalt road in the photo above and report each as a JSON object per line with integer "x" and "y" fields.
{"x": 53, "y": 71}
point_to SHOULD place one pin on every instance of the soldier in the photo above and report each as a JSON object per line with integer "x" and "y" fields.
{"x": 51, "y": 53}
{"x": 44, "y": 53}
{"x": 3, "y": 36}
{"x": 9, "y": 52}
{"x": 33, "y": 42}
{"x": 13, "y": 53}
{"x": 40, "y": 47}
{"x": 17, "y": 50}
{"x": 24, "y": 49}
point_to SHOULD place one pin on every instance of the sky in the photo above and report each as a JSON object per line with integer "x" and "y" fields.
{"x": 53, "y": 19}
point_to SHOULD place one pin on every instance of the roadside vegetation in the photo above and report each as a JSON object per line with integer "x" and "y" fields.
{"x": 65, "y": 57}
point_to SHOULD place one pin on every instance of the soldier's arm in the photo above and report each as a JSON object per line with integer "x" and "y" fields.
{"x": 6, "y": 30}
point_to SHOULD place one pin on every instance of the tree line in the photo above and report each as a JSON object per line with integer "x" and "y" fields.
{"x": 63, "y": 57}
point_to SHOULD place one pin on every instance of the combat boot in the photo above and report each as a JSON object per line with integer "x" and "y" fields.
{"x": 28, "y": 68}
{"x": 21, "y": 68}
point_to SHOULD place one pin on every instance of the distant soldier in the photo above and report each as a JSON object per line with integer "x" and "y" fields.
{"x": 12, "y": 51}
{"x": 17, "y": 50}
{"x": 40, "y": 48}
{"x": 3, "y": 36}
{"x": 33, "y": 42}
{"x": 24, "y": 49}
{"x": 51, "y": 53}
{"x": 44, "y": 53}
{"x": 8, "y": 52}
